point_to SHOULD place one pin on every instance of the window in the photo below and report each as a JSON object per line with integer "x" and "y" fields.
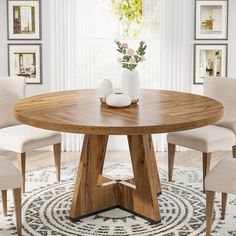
{"x": 101, "y": 22}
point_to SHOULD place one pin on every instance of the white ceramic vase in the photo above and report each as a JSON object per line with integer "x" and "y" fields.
{"x": 105, "y": 90}
{"x": 118, "y": 100}
{"x": 130, "y": 84}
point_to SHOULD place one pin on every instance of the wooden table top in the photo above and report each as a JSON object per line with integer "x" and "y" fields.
{"x": 80, "y": 111}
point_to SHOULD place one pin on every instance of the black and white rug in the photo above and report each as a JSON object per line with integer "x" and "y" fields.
{"x": 46, "y": 205}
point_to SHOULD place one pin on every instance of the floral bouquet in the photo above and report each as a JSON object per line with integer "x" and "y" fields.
{"x": 130, "y": 58}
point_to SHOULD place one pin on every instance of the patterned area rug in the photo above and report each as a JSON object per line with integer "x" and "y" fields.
{"x": 46, "y": 205}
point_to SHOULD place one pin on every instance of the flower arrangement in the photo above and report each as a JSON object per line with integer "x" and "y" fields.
{"x": 130, "y": 58}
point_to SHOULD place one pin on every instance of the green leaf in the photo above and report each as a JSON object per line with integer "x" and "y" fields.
{"x": 130, "y": 14}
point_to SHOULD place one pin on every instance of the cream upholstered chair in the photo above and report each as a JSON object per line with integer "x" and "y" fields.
{"x": 11, "y": 178}
{"x": 222, "y": 178}
{"x": 212, "y": 137}
{"x": 21, "y": 138}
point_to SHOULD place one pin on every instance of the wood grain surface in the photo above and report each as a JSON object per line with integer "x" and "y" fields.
{"x": 94, "y": 193}
{"x": 80, "y": 111}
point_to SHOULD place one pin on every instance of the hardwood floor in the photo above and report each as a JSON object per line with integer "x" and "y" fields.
{"x": 41, "y": 158}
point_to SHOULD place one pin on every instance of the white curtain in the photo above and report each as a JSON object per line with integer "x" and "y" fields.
{"x": 77, "y": 51}
{"x": 175, "y": 58}
{"x": 69, "y": 69}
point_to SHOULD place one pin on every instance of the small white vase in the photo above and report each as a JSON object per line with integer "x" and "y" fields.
{"x": 105, "y": 90}
{"x": 118, "y": 100}
{"x": 130, "y": 84}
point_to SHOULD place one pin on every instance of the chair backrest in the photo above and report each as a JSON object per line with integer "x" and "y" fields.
{"x": 11, "y": 90}
{"x": 223, "y": 90}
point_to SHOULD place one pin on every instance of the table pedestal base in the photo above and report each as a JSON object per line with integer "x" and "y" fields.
{"x": 94, "y": 193}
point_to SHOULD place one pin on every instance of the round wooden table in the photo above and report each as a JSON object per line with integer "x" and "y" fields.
{"x": 80, "y": 111}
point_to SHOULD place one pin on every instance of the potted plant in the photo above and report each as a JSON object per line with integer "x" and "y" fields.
{"x": 129, "y": 60}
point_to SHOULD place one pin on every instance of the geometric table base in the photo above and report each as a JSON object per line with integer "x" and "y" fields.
{"x": 94, "y": 193}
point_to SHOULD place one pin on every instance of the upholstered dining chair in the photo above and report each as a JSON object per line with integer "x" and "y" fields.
{"x": 222, "y": 178}
{"x": 11, "y": 178}
{"x": 22, "y": 138}
{"x": 212, "y": 137}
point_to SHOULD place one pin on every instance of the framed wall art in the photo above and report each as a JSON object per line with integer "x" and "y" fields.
{"x": 25, "y": 60}
{"x": 24, "y": 19}
{"x": 209, "y": 60}
{"x": 211, "y": 20}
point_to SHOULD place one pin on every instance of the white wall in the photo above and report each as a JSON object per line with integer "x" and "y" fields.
{"x": 31, "y": 89}
{"x": 231, "y": 45}
{"x": 46, "y": 43}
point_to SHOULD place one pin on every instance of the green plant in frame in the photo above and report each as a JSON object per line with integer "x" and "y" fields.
{"x": 129, "y": 13}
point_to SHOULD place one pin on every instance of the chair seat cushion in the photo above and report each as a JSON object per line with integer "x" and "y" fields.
{"x": 205, "y": 139}
{"x": 10, "y": 176}
{"x": 222, "y": 178}
{"x": 23, "y": 138}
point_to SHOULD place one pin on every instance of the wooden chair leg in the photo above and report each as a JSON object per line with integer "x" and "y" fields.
{"x": 57, "y": 158}
{"x": 209, "y": 209}
{"x": 234, "y": 151}
{"x": 22, "y": 166}
{"x": 17, "y": 201}
{"x": 171, "y": 158}
{"x": 206, "y": 162}
{"x": 4, "y": 202}
{"x": 223, "y": 205}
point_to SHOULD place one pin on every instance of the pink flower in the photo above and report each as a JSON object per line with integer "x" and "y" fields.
{"x": 132, "y": 61}
{"x": 143, "y": 58}
{"x": 124, "y": 45}
{"x": 130, "y": 52}
{"x": 119, "y": 60}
